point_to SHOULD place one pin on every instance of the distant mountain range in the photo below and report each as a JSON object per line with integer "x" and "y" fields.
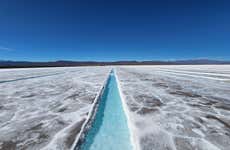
{"x": 63, "y": 63}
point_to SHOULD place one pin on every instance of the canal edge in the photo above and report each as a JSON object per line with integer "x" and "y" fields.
{"x": 90, "y": 118}
{"x": 125, "y": 109}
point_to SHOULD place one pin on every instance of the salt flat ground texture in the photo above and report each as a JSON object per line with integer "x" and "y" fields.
{"x": 44, "y": 108}
{"x": 178, "y": 107}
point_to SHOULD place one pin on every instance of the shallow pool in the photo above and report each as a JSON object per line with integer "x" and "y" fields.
{"x": 109, "y": 130}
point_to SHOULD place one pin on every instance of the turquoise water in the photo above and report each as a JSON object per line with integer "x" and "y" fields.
{"x": 109, "y": 130}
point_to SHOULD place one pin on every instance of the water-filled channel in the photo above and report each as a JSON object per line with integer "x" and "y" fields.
{"x": 109, "y": 130}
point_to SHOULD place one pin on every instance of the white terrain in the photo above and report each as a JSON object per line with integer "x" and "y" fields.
{"x": 178, "y": 107}
{"x": 44, "y": 108}
{"x": 168, "y": 107}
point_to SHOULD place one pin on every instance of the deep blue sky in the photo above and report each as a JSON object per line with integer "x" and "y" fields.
{"x": 108, "y": 30}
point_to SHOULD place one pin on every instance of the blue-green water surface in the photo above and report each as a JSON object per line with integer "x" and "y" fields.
{"x": 109, "y": 130}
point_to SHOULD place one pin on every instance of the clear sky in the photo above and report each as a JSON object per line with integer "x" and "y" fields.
{"x": 109, "y": 30}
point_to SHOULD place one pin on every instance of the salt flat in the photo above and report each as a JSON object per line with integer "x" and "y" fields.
{"x": 44, "y": 108}
{"x": 177, "y": 107}
{"x": 169, "y": 107}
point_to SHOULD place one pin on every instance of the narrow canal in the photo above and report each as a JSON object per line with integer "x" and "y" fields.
{"x": 109, "y": 130}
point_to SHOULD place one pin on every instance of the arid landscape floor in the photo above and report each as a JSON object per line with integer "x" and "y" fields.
{"x": 44, "y": 108}
{"x": 168, "y": 107}
{"x": 178, "y": 107}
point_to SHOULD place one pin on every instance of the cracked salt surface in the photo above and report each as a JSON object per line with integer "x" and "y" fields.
{"x": 169, "y": 107}
{"x": 44, "y": 108}
{"x": 185, "y": 108}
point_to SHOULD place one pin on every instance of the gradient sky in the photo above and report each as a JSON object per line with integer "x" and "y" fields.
{"x": 108, "y": 30}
